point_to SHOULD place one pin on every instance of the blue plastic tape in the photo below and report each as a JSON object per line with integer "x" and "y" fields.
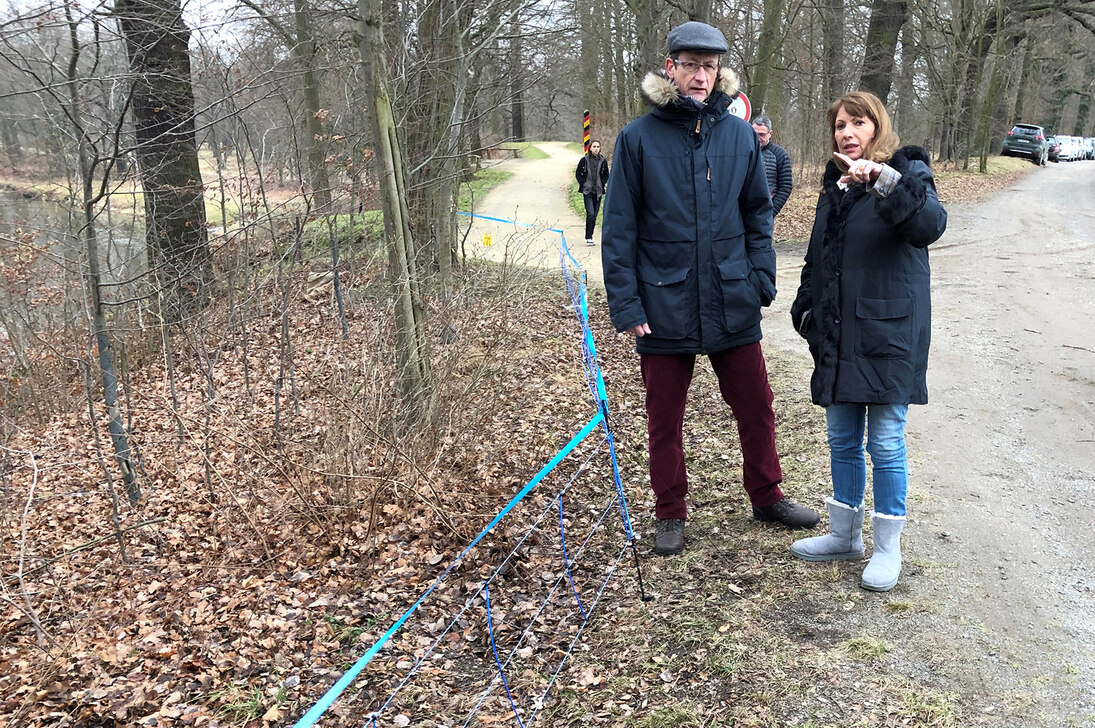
{"x": 309, "y": 719}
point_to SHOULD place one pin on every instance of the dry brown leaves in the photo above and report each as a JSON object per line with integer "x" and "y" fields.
{"x": 248, "y": 595}
{"x": 275, "y": 551}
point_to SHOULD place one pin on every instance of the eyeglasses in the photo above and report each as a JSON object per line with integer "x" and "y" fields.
{"x": 692, "y": 68}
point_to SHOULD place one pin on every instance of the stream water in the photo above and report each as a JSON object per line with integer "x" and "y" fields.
{"x": 56, "y": 225}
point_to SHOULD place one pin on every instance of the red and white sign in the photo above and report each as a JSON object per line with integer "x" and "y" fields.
{"x": 740, "y": 107}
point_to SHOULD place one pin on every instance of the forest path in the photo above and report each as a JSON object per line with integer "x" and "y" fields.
{"x": 999, "y": 553}
{"x": 535, "y": 195}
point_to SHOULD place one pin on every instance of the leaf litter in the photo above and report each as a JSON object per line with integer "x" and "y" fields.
{"x": 243, "y": 608}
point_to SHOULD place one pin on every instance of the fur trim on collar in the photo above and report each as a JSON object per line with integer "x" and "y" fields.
{"x": 661, "y": 92}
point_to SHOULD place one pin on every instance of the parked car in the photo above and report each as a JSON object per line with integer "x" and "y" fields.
{"x": 1026, "y": 140}
{"x": 1081, "y": 147}
{"x": 1069, "y": 150}
{"x": 1053, "y": 149}
{"x": 1089, "y": 144}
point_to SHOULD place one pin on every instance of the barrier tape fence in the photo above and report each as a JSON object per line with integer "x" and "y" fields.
{"x": 512, "y": 650}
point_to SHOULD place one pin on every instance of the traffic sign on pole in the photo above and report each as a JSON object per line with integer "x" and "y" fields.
{"x": 740, "y": 107}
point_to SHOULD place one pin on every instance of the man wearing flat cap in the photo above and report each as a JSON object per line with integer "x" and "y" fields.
{"x": 688, "y": 264}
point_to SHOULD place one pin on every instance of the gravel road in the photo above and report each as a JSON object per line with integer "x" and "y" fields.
{"x": 535, "y": 195}
{"x": 1006, "y": 448}
{"x": 1000, "y": 548}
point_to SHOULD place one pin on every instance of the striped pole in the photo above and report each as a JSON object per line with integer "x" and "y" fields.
{"x": 585, "y": 131}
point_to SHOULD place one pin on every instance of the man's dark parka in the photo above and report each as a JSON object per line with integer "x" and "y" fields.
{"x": 687, "y": 237}
{"x": 864, "y": 291}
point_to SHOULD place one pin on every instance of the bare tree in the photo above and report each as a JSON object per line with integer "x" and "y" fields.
{"x": 887, "y": 18}
{"x": 412, "y": 351}
{"x": 301, "y": 42}
{"x": 163, "y": 109}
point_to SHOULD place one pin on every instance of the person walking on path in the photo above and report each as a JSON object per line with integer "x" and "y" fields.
{"x": 688, "y": 263}
{"x": 592, "y": 176}
{"x": 864, "y": 308}
{"x": 777, "y": 164}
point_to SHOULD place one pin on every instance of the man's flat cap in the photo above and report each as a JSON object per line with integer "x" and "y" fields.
{"x": 698, "y": 37}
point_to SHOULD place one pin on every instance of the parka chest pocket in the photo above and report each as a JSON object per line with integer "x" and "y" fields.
{"x": 669, "y": 299}
{"x": 883, "y": 327}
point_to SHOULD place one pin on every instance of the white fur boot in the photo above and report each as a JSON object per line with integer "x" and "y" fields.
{"x": 844, "y": 542}
{"x": 885, "y": 565}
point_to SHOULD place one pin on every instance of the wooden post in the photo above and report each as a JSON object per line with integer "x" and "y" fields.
{"x": 585, "y": 131}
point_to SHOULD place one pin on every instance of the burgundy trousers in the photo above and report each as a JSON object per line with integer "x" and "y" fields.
{"x": 743, "y": 382}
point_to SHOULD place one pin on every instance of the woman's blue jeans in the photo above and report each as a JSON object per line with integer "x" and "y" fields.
{"x": 885, "y": 429}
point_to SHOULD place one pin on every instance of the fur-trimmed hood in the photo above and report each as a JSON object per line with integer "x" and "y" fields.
{"x": 661, "y": 92}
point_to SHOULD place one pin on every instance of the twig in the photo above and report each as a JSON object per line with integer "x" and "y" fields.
{"x": 90, "y": 544}
{"x": 28, "y": 609}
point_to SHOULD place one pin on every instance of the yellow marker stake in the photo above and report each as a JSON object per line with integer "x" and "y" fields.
{"x": 486, "y": 239}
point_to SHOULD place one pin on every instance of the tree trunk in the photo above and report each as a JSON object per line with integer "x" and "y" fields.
{"x": 9, "y": 133}
{"x": 1000, "y": 121}
{"x": 100, "y": 332}
{"x": 304, "y": 52}
{"x": 516, "y": 64}
{"x": 627, "y": 85}
{"x": 1057, "y": 78}
{"x": 648, "y": 43}
{"x": 167, "y": 153}
{"x": 982, "y": 43}
{"x": 767, "y": 50}
{"x": 910, "y": 54}
{"x": 984, "y": 125}
{"x": 589, "y": 58}
{"x": 832, "y": 20}
{"x": 701, "y": 11}
{"x": 887, "y": 17}
{"x": 1026, "y": 79}
{"x": 1084, "y": 112}
{"x": 412, "y": 353}
{"x": 446, "y": 85}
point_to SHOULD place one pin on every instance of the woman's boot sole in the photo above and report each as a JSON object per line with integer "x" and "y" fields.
{"x": 846, "y": 556}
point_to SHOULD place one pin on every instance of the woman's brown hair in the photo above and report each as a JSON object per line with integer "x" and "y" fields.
{"x": 866, "y": 104}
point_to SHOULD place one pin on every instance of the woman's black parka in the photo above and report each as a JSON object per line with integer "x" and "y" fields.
{"x": 865, "y": 287}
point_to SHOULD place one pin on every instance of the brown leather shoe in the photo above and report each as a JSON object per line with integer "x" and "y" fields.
{"x": 787, "y": 513}
{"x": 670, "y": 536}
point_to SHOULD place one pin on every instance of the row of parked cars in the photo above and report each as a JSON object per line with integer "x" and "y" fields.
{"x": 1031, "y": 141}
{"x": 1070, "y": 148}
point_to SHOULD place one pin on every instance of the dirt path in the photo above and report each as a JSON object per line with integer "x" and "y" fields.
{"x": 1000, "y": 549}
{"x": 1007, "y": 466}
{"x": 536, "y": 195}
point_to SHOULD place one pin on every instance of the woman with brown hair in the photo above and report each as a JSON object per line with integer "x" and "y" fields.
{"x": 592, "y": 176}
{"x": 864, "y": 308}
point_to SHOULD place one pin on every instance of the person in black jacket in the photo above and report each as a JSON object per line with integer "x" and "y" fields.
{"x": 777, "y": 164}
{"x": 864, "y": 307}
{"x": 592, "y": 176}
{"x": 688, "y": 264}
